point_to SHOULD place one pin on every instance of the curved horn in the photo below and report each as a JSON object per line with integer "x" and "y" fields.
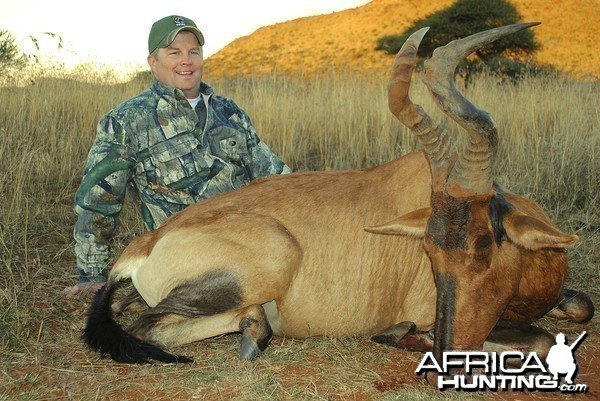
{"x": 436, "y": 142}
{"x": 472, "y": 172}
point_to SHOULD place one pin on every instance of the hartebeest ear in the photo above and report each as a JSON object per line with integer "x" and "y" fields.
{"x": 413, "y": 224}
{"x": 534, "y": 234}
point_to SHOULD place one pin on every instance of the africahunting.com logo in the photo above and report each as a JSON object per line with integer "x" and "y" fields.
{"x": 511, "y": 370}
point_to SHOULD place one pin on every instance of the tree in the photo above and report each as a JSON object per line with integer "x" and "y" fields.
{"x": 9, "y": 51}
{"x": 464, "y": 18}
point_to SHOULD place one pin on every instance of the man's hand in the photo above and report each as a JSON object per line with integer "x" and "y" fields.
{"x": 84, "y": 289}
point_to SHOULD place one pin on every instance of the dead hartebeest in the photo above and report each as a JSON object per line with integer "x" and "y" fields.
{"x": 290, "y": 255}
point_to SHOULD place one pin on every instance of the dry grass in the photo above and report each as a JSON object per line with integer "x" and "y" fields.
{"x": 347, "y": 39}
{"x": 550, "y": 150}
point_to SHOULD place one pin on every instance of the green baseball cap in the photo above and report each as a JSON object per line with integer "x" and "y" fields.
{"x": 164, "y": 30}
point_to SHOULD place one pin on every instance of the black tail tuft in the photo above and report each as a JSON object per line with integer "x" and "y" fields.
{"x": 104, "y": 335}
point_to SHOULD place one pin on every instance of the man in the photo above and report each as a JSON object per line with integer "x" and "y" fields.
{"x": 174, "y": 144}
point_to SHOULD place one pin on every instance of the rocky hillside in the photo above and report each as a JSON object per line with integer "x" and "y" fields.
{"x": 569, "y": 35}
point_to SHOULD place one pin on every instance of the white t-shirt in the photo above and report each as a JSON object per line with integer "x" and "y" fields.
{"x": 194, "y": 101}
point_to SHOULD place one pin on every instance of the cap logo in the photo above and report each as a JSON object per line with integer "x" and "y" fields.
{"x": 179, "y": 21}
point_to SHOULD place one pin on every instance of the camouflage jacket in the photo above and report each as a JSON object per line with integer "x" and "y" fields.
{"x": 171, "y": 156}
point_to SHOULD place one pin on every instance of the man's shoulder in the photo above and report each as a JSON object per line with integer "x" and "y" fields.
{"x": 146, "y": 100}
{"x": 137, "y": 111}
{"x": 226, "y": 106}
{"x": 223, "y": 101}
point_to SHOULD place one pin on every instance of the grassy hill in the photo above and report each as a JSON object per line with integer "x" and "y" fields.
{"x": 568, "y": 36}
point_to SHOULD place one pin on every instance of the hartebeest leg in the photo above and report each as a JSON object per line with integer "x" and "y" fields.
{"x": 164, "y": 328}
{"x": 506, "y": 336}
{"x": 406, "y": 335}
{"x": 132, "y": 302}
{"x": 514, "y": 336}
{"x": 573, "y": 305}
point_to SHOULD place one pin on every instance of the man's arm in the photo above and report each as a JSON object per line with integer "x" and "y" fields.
{"x": 261, "y": 161}
{"x": 99, "y": 199}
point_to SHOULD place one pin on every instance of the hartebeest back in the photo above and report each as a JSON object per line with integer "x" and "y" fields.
{"x": 290, "y": 255}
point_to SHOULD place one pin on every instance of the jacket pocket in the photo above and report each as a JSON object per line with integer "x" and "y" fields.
{"x": 229, "y": 144}
{"x": 174, "y": 158}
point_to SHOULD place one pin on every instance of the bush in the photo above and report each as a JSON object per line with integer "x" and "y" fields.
{"x": 507, "y": 70}
{"x": 464, "y": 18}
{"x": 9, "y": 51}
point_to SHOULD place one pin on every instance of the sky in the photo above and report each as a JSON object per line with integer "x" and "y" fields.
{"x": 115, "y": 32}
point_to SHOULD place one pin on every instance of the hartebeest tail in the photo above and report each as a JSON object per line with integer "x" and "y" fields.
{"x": 104, "y": 335}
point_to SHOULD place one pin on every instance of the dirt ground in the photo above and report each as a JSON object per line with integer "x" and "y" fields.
{"x": 53, "y": 363}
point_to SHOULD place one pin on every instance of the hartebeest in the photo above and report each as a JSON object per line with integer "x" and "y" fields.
{"x": 290, "y": 256}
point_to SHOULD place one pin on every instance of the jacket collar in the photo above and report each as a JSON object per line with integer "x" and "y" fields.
{"x": 176, "y": 95}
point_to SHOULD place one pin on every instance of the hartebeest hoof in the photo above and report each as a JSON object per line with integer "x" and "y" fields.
{"x": 256, "y": 334}
{"x": 573, "y": 305}
{"x": 405, "y": 335}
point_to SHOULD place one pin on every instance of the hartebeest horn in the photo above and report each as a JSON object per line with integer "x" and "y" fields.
{"x": 472, "y": 173}
{"x": 436, "y": 142}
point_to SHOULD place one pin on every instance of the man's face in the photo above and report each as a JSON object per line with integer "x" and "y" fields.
{"x": 180, "y": 65}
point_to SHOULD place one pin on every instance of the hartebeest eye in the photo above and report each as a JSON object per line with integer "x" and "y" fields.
{"x": 483, "y": 242}
{"x": 482, "y": 250}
